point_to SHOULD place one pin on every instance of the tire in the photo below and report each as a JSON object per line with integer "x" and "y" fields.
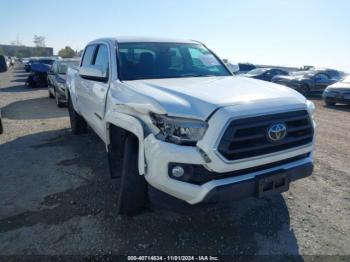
{"x": 304, "y": 90}
{"x": 328, "y": 103}
{"x": 30, "y": 83}
{"x": 50, "y": 95}
{"x": 58, "y": 102}
{"x": 77, "y": 122}
{"x": 133, "y": 187}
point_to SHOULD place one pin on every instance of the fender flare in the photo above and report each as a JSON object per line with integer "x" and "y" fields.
{"x": 71, "y": 92}
{"x": 132, "y": 125}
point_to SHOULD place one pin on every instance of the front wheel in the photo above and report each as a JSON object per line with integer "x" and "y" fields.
{"x": 133, "y": 186}
{"x": 77, "y": 122}
{"x": 50, "y": 94}
{"x": 57, "y": 98}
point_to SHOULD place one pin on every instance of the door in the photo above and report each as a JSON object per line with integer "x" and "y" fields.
{"x": 83, "y": 86}
{"x": 99, "y": 89}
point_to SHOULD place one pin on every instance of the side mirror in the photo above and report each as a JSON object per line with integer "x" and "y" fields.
{"x": 93, "y": 73}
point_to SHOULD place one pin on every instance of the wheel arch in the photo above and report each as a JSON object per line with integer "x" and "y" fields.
{"x": 129, "y": 125}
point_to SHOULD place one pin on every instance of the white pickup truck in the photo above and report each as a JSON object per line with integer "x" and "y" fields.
{"x": 173, "y": 116}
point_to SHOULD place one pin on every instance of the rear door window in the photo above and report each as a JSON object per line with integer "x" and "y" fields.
{"x": 101, "y": 60}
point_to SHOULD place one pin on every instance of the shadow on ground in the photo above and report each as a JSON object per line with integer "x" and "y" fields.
{"x": 251, "y": 226}
{"x": 36, "y": 108}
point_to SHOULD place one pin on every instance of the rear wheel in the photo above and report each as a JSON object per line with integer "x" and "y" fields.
{"x": 78, "y": 124}
{"x": 133, "y": 186}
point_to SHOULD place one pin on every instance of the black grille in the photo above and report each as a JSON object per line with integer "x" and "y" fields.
{"x": 247, "y": 137}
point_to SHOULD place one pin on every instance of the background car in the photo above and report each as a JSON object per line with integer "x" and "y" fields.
{"x": 39, "y": 69}
{"x": 265, "y": 74}
{"x": 307, "y": 82}
{"x": 57, "y": 80}
{"x": 338, "y": 93}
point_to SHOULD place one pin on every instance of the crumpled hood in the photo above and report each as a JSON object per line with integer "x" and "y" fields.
{"x": 198, "y": 97}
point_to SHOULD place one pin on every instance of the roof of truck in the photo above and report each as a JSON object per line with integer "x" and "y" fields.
{"x": 137, "y": 39}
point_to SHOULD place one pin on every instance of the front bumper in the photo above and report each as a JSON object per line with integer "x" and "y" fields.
{"x": 249, "y": 188}
{"x": 159, "y": 155}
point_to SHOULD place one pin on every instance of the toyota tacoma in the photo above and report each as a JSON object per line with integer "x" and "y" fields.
{"x": 173, "y": 117}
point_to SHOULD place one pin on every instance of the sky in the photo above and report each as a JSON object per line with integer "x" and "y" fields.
{"x": 276, "y": 32}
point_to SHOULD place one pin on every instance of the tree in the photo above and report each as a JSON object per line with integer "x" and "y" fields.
{"x": 66, "y": 52}
{"x": 39, "y": 41}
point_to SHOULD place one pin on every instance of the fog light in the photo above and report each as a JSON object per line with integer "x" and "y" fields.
{"x": 177, "y": 171}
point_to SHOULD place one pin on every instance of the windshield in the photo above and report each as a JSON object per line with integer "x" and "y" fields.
{"x": 257, "y": 71}
{"x": 167, "y": 60}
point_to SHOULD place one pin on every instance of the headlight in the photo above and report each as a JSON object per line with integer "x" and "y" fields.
{"x": 310, "y": 107}
{"x": 179, "y": 130}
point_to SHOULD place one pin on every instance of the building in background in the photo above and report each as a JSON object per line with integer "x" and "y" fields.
{"x": 25, "y": 51}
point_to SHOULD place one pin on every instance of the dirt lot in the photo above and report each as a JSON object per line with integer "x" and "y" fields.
{"x": 56, "y": 196}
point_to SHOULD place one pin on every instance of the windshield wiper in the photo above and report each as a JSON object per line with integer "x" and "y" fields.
{"x": 195, "y": 75}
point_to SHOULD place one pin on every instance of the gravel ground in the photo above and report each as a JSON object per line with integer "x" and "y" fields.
{"x": 56, "y": 196}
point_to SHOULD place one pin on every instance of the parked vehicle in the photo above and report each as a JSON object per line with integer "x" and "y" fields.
{"x": 39, "y": 69}
{"x": 332, "y": 73}
{"x": 174, "y": 117}
{"x": 265, "y": 74}
{"x": 338, "y": 93}
{"x": 307, "y": 82}
{"x": 56, "y": 80}
{"x": 3, "y": 64}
